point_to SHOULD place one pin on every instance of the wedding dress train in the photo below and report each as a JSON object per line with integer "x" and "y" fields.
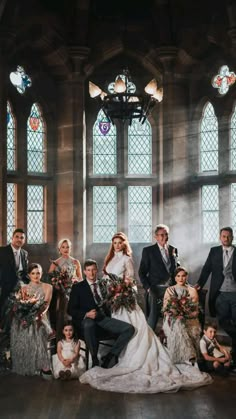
{"x": 145, "y": 365}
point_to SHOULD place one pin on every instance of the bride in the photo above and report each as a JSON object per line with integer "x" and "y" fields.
{"x": 145, "y": 365}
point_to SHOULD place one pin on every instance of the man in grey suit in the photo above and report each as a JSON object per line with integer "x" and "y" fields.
{"x": 221, "y": 264}
{"x": 13, "y": 266}
{"x": 156, "y": 272}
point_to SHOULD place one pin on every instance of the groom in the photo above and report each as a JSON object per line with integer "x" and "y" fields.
{"x": 91, "y": 316}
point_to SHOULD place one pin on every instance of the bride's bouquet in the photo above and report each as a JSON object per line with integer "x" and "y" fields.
{"x": 182, "y": 309}
{"x": 119, "y": 292}
{"x": 27, "y": 309}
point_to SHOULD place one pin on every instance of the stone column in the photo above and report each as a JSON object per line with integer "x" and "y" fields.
{"x": 71, "y": 156}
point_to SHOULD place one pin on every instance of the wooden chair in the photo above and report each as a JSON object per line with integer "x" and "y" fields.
{"x": 104, "y": 341}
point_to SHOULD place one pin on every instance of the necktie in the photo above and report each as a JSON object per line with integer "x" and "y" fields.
{"x": 226, "y": 257}
{"x": 16, "y": 259}
{"x": 165, "y": 255}
{"x": 95, "y": 293}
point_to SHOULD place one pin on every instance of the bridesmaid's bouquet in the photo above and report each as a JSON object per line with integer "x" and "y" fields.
{"x": 180, "y": 309}
{"x": 119, "y": 292}
{"x": 61, "y": 279}
{"x": 26, "y": 308}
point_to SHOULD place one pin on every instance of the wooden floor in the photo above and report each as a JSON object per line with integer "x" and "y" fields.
{"x": 34, "y": 398}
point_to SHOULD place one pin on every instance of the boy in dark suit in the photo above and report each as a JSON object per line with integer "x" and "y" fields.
{"x": 91, "y": 316}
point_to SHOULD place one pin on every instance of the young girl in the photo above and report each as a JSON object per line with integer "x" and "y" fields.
{"x": 67, "y": 362}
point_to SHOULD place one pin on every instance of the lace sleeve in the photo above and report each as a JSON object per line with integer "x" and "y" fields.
{"x": 129, "y": 268}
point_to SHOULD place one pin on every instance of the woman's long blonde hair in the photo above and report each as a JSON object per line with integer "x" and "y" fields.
{"x": 126, "y": 248}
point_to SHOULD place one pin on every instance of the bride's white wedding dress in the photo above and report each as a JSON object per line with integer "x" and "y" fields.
{"x": 144, "y": 366}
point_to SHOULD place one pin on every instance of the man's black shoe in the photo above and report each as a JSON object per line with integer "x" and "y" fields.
{"x": 109, "y": 360}
{"x": 95, "y": 362}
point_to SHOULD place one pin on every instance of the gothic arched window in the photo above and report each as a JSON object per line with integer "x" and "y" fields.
{"x": 122, "y": 198}
{"x": 11, "y": 139}
{"x": 233, "y": 140}
{"x": 36, "y": 141}
{"x": 209, "y": 140}
{"x": 104, "y": 146}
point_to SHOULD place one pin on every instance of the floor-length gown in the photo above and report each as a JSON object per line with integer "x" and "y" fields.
{"x": 144, "y": 366}
{"x": 64, "y": 265}
{"x": 183, "y": 339}
{"x": 29, "y": 352}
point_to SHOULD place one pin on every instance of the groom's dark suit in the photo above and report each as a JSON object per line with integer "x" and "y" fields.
{"x": 8, "y": 271}
{"x": 154, "y": 274}
{"x": 81, "y": 302}
{"x": 222, "y": 300}
{"x": 214, "y": 266}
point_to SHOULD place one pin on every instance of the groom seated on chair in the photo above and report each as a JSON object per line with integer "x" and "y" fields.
{"x": 91, "y": 316}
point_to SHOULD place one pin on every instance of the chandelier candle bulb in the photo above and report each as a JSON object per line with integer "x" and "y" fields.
{"x": 94, "y": 90}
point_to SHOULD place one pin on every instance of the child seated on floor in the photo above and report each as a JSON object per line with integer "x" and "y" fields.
{"x": 216, "y": 357}
{"x": 67, "y": 362}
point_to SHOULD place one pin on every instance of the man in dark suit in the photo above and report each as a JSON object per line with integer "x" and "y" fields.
{"x": 156, "y": 272}
{"x": 91, "y": 316}
{"x": 13, "y": 266}
{"x": 221, "y": 264}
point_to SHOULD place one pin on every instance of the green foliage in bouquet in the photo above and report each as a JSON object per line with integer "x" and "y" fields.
{"x": 180, "y": 309}
{"x": 61, "y": 279}
{"x": 119, "y": 292}
{"x": 27, "y": 309}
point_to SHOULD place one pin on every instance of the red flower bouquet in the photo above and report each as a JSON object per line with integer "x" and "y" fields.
{"x": 119, "y": 292}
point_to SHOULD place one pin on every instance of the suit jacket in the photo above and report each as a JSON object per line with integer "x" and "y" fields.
{"x": 8, "y": 270}
{"x": 152, "y": 270}
{"x": 81, "y": 301}
{"x": 214, "y": 266}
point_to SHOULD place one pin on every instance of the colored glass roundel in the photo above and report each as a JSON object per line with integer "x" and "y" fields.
{"x": 104, "y": 125}
{"x": 223, "y": 80}
{"x": 34, "y": 121}
{"x": 20, "y": 79}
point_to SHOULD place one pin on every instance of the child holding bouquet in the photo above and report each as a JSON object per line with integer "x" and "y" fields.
{"x": 30, "y": 326}
{"x": 181, "y": 325}
{"x": 67, "y": 362}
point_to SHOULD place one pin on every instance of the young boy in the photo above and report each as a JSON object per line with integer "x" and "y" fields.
{"x": 216, "y": 357}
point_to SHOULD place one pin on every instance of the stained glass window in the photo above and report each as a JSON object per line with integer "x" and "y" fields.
{"x": 210, "y": 213}
{"x": 11, "y": 139}
{"x": 233, "y": 141}
{"x": 35, "y": 214}
{"x": 36, "y": 139}
{"x": 140, "y": 214}
{"x": 104, "y": 213}
{"x": 209, "y": 140}
{"x": 104, "y": 146}
{"x": 140, "y": 148}
{"x": 11, "y": 210}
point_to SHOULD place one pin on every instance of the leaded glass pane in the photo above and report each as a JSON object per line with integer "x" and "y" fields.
{"x": 104, "y": 146}
{"x": 209, "y": 140}
{"x": 104, "y": 213}
{"x": 233, "y": 141}
{"x": 35, "y": 214}
{"x": 233, "y": 206}
{"x": 140, "y": 214}
{"x": 140, "y": 148}
{"x": 210, "y": 213}
{"x": 11, "y": 210}
{"x": 36, "y": 137}
{"x": 11, "y": 139}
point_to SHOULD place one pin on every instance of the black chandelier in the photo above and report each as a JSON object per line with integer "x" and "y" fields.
{"x": 122, "y": 101}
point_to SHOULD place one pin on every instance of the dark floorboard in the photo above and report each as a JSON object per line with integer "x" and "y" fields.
{"x": 32, "y": 397}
